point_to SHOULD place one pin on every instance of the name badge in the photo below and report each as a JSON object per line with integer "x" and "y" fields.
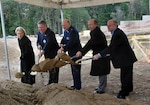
{"x": 44, "y": 41}
{"x": 67, "y": 38}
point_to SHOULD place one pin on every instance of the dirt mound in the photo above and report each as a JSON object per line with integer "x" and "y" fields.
{"x": 55, "y": 94}
{"x": 14, "y": 93}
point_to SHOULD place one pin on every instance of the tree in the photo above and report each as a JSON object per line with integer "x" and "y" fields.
{"x": 138, "y": 8}
{"x": 27, "y": 16}
{"x": 78, "y": 17}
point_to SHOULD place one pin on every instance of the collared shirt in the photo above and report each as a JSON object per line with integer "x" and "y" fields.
{"x": 42, "y": 37}
{"x": 112, "y": 32}
{"x": 67, "y": 35}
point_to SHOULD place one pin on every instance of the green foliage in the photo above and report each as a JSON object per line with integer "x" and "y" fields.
{"x": 27, "y": 16}
{"x": 84, "y": 28}
{"x": 77, "y": 16}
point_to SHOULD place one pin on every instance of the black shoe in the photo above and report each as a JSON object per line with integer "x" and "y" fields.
{"x": 72, "y": 87}
{"x": 121, "y": 97}
{"x": 130, "y": 90}
{"x": 99, "y": 92}
{"x": 127, "y": 94}
{"x": 47, "y": 84}
{"x": 96, "y": 89}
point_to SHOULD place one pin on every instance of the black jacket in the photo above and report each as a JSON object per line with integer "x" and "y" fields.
{"x": 97, "y": 43}
{"x": 49, "y": 43}
{"x": 71, "y": 41}
{"x": 120, "y": 50}
{"x": 27, "y": 54}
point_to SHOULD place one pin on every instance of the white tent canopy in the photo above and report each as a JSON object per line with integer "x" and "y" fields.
{"x": 69, "y": 3}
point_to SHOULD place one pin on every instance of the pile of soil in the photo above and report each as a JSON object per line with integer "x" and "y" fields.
{"x": 15, "y": 93}
{"x": 56, "y": 94}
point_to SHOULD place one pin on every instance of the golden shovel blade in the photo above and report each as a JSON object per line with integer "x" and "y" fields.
{"x": 46, "y": 65}
{"x": 60, "y": 64}
{"x": 36, "y": 68}
{"x": 19, "y": 75}
{"x": 64, "y": 57}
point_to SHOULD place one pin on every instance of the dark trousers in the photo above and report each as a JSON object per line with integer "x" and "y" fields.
{"x": 76, "y": 73}
{"x": 27, "y": 78}
{"x": 126, "y": 77}
{"x": 26, "y": 68}
{"x": 53, "y": 75}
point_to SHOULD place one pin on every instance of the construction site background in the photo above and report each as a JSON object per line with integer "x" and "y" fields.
{"x": 138, "y": 33}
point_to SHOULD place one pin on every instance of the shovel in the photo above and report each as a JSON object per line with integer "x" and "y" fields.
{"x": 85, "y": 59}
{"x": 19, "y": 74}
{"x": 60, "y": 60}
{"x": 79, "y": 61}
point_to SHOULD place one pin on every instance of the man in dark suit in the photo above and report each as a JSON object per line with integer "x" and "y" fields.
{"x": 122, "y": 57}
{"x": 47, "y": 44}
{"x": 97, "y": 43}
{"x": 71, "y": 43}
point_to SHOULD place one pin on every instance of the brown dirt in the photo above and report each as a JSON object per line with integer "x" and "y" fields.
{"x": 15, "y": 93}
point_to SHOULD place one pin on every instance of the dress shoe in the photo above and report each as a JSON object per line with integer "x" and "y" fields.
{"x": 47, "y": 84}
{"x": 127, "y": 94}
{"x": 130, "y": 90}
{"x": 99, "y": 92}
{"x": 121, "y": 97}
{"x": 72, "y": 87}
{"x": 96, "y": 89}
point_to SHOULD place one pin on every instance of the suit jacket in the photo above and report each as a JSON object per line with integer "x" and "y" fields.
{"x": 71, "y": 41}
{"x": 97, "y": 43}
{"x": 49, "y": 43}
{"x": 27, "y": 54}
{"x": 120, "y": 50}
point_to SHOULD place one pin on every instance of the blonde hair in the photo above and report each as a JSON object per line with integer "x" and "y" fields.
{"x": 21, "y": 29}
